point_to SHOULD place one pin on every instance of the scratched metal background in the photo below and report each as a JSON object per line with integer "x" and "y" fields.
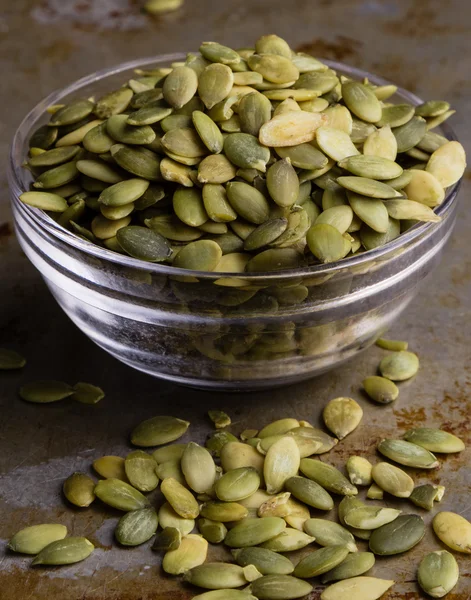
{"x": 422, "y": 45}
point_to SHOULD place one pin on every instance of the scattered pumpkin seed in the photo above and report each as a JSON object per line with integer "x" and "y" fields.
{"x": 180, "y": 498}
{"x": 79, "y": 489}
{"x": 136, "y": 527}
{"x": 169, "y": 518}
{"x": 453, "y": 530}
{"x": 438, "y": 573}
{"x": 380, "y": 389}
{"x": 359, "y": 470}
{"x": 190, "y": 553}
{"x": 320, "y": 561}
{"x": 357, "y": 588}
{"x": 342, "y": 416}
{"x": 32, "y": 540}
{"x": 120, "y": 495}
{"x": 401, "y": 535}
{"x": 408, "y": 454}
{"x": 280, "y": 587}
{"x": 327, "y": 476}
{"x": 65, "y": 551}
{"x": 10, "y": 360}
{"x": 399, "y": 366}
{"x": 158, "y": 431}
{"x": 169, "y": 538}
{"x": 43, "y": 392}
{"x": 329, "y": 533}
{"x": 353, "y": 565}
{"x": 435, "y": 440}
{"x": 393, "y": 480}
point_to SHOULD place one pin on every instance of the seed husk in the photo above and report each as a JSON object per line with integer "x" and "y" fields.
{"x": 180, "y": 498}
{"x": 359, "y": 470}
{"x": 224, "y": 512}
{"x": 65, "y": 551}
{"x": 434, "y": 440}
{"x": 380, "y": 389}
{"x": 158, "y": 431}
{"x": 329, "y": 533}
{"x": 32, "y": 540}
{"x": 120, "y": 495}
{"x": 353, "y": 565}
{"x": 399, "y": 536}
{"x": 453, "y": 530}
{"x": 237, "y": 484}
{"x": 288, "y": 540}
{"x": 169, "y": 538}
{"x": 370, "y": 517}
{"x": 283, "y": 183}
{"x": 280, "y": 587}
{"x": 357, "y": 588}
{"x": 438, "y": 573}
{"x": 361, "y": 101}
{"x": 79, "y": 489}
{"x": 266, "y": 561}
{"x": 327, "y": 243}
{"x": 290, "y": 129}
{"x": 424, "y": 495}
{"x": 447, "y": 164}
{"x": 213, "y": 576}
{"x": 399, "y": 366}
{"x": 190, "y": 554}
{"x": 320, "y": 561}
{"x": 198, "y": 468}
{"x": 169, "y": 518}
{"x": 43, "y": 392}
{"x": 327, "y": 476}
{"x": 114, "y": 103}
{"x": 408, "y": 454}
{"x": 254, "y": 531}
{"x": 140, "y": 469}
{"x": 136, "y": 527}
{"x": 342, "y": 416}
{"x": 281, "y": 462}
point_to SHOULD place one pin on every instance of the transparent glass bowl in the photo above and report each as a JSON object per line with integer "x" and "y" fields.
{"x": 278, "y": 328}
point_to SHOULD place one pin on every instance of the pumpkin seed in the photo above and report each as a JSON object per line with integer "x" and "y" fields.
{"x": 188, "y": 206}
{"x": 266, "y": 561}
{"x": 169, "y": 518}
{"x": 198, "y": 468}
{"x": 213, "y": 532}
{"x": 170, "y": 538}
{"x": 202, "y": 255}
{"x": 220, "y": 419}
{"x": 215, "y": 576}
{"x": 54, "y": 157}
{"x": 119, "y": 129}
{"x": 453, "y": 530}
{"x": 335, "y": 143}
{"x": 357, "y": 588}
{"x": 43, "y": 137}
{"x": 373, "y": 167}
{"x": 272, "y": 44}
{"x": 327, "y": 476}
{"x": 273, "y": 67}
{"x": 254, "y": 110}
{"x": 46, "y": 391}
{"x": 396, "y": 115}
{"x": 279, "y": 427}
{"x": 393, "y": 345}
{"x": 244, "y": 150}
{"x": 136, "y": 527}
{"x": 235, "y": 455}
{"x": 79, "y": 490}
{"x": 288, "y": 540}
{"x": 175, "y": 122}
{"x": 276, "y": 506}
{"x": 359, "y": 470}
{"x": 380, "y": 389}
{"x": 237, "y": 484}
{"x": 410, "y": 134}
{"x": 342, "y": 416}
{"x": 225, "y": 595}
{"x": 254, "y": 531}
{"x": 329, "y": 533}
{"x": 180, "y": 86}
{"x": 215, "y": 84}
{"x": 280, "y": 587}
{"x": 140, "y": 470}
{"x": 216, "y": 168}
{"x": 352, "y": 566}
{"x": 44, "y": 201}
{"x": 361, "y": 131}
{"x": 327, "y": 243}
{"x": 283, "y": 183}
{"x": 247, "y": 201}
{"x": 72, "y": 113}
{"x": 299, "y": 513}
{"x": 139, "y": 161}
{"x": 320, "y": 561}
{"x": 113, "y": 103}
{"x": 408, "y": 454}
{"x": 409, "y": 209}
{"x": 110, "y": 467}
{"x": 447, "y": 164}
{"x": 57, "y": 176}
{"x": 339, "y": 117}
{"x": 424, "y": 496}
{"x": 190, "y": 553}
{"x": 32, "y": 540}
{"x": 144, "y": 244}
{"x": 290, "y": 129}
{"x": 434, "y": 440}
{"x": 99, "y": 171}
{"x": 401, "y": 535}
{"x": 216, "y": 205}
{"x": 370, "y": 517}
{"x": 431, "y": 142}
{"x": 281, "y": 463}
{"x": 367, "y": 187}
{"x": 218, "y": 439}
{"x": 219, "y": 54}
{"x": 120, "y": 495}
{"x": 303, "y": 156}
{"x": 375, "y": 492}
{"x": 179, "y": 498}
{"x": 223, "y": 512}
{"x": 399, "y": 366}
{"x": 172, "y": 452}
{"x": 65, "y": 551}
{"x": 171, "y": 227}
{"x": 123, "y": 192}
{"x": 436, "y": 121}
{"x": 438, "y": 573}
{"x": 381, "y": 143}
{"x": 158, "y": 431}
{"x": 361, "y": 101}
{"x": 393, "y": 480}
{"x": 265, "y": 233}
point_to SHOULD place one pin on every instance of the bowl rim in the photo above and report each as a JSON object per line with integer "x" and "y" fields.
{"x": 44, "y": 222}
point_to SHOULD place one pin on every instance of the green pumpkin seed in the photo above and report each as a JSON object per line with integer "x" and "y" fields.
{"x": 172, "y": 452}
{"x": 54, "y": 157}
{"x": 265, "y": 234}
{"x": 72, "y": 113}
{"x": 438, "y": 573}
{"x": 447, "y": 164}
{"x": 170, "y": 538}
{"x": 299, "y": 222}
{"x": 342, "y": 416}
{"x": 276, "y": 506}
{"x": 180, "y": 86}
{"x": 322, "y": 81}
{"x": 361, "y": 101}
{"x": 208, "y": 131}
{"x": 115, "y": 213}
{"x": 327, "y": 476}
{"x": 434, "y": 440}
{"x": 139, "y": 161}
{"x": 320, "y": 561}
{"x": 375, "y": 492}
{"x": 306, "y": 63}
{"x": 339, "y": 117}
{"x": 173, "y": 171}
{"x": 119, "y": 129}
{"x": 254, "y": 110}
{"x": 44, "y": 137}
{"x": 244, "y": 150}
{"x": 287, "y": 105}
{"x": 123, "y": 192}
{"x": 216, "y": 168}
{"x": 424, "y": 188}
{"x": 283, "y": 183}
{"x": 184, "y": 142}
{"x": 113, "y": 103}
{"x": 158, "y": 431}
{"x": 213, "y": 532}
{"x": 148, "y": 115}
{"x": 393, "y": 480}
{"x": 223, "y": 512}
{"x": 370, "y": 517}
{"x": 43, "y": 392}
{"x": 399, "y": 366}
{"x": 396, "y": 115}
{"x": 225, "y": 595}
{"x": 354, "y": 565}
{"x": 235, "y": 455}
{"x": 399, "y": 536}
{"x": 216, "y": 204}
{"x": 79, "y": 490}
{"x": 215, "y": 84}
{"x": 274, "y": 68}
{"x": 218, "y": 439}
{"x": 327, "y": 243}
{"x": 247, "y": 78}
{"x": 347, "y": 504}
{"x": 357, "y": 588}
{"x": 44, "y": 201}
{"x": 202, "y": 255}
{"x": 169, "y": 518}
{"x": 247, "y": 201}
{"x": 64, "y": 552}
{"x": 393, "y": 345}
{"x": 288, "y": 540}
{"x": 280, "y": 587}
{"x": 431, "y": 142}
{"x": 180, "y": 498}
{"x": 172, "y": 228}
{"x": 409, "y": 209}
{"x": 290, "y": 129}
{"x": 188, "y": 206}
{"x": 120, "y": 495}
{"x": 371, "y": 211}
{"x": 367, "y": 187}
{"x": 32, "y": 540}
{"x": 410, "y": 134}
{"x": 198, "y": 468}
{"x": 281, "y": 463}
{"x": 432, "y": 108}
{"x": 436, "y": 121}
{"x": 140, "y": 470}
{"x": 213, "y": 576}
{"x": 335, "y": 143}
{"x": 99, "y": 170}
{"x": 144, "y": 244}
{"x": 220, "y": 419}
{"x": 314, "y": 105}
{"x": 252, "y": 532}
{"x": 373, "y": 167}
{"x": 237, "y": 484}
{"x": 175, "y": 122}
{"x": 299, "y": 513}
{"x": 372, "y": 239}
{"x": 453, "y": 530}
{"x": 408, "y": 454}
{"x": 219, "y": 54}
{"x": 136, "y": 527}
{"x": 266, "y": 561}
{"x": 190, "y": 554}
{"x": 57, "y": 176}
{"x": 303, "y": 156}
{"x": 329, "y": 533}
{"x": 424, "y": 496}
{"x": 272, "y": 44}
{"x": 359, "y": 470}
{"x": 146, "y": 98}
{"x": 381, "y": 143}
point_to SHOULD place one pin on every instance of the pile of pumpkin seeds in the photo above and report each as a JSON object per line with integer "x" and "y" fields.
{"x": 252, "y": 160}
{"x": 254, "y": 494}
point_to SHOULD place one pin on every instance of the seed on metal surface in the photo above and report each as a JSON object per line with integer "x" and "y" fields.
{"x": 408, "y": 454}
{"x": 399, "y": 536}
{"x": 359, "y": 470}
{"x": 399, "y": 366}
{"x": 438, "y": 573}
{"x": 32, "y": 540}
{"x": 79, "y": 489}
{"x": 190, "y": 553}
{"x": 342, "y": 416}
{"x": 380, "y": 389}
{"x": 65, "y": 551}
{"x": 357, "y": 588}
{"x": 393, "y": 480}
{"x": 136, "y": 527}
{"x": 453, "y": 530}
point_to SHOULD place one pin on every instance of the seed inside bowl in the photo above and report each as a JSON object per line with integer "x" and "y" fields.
{"x": 293, "y": 156}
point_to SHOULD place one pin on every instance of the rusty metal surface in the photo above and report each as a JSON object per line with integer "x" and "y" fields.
{"x": 422, "y": 45}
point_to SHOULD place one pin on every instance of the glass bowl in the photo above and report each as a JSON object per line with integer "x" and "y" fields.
{"x": 218, "y": 331}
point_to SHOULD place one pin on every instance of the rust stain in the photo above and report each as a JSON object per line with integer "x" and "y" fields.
{"x": 461, "y": 273}
{"x": 406, "y": 418}
{"x": 449, "y": 301}
{"x": 339, "y": 49}
{"x": 421, "y": 20}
